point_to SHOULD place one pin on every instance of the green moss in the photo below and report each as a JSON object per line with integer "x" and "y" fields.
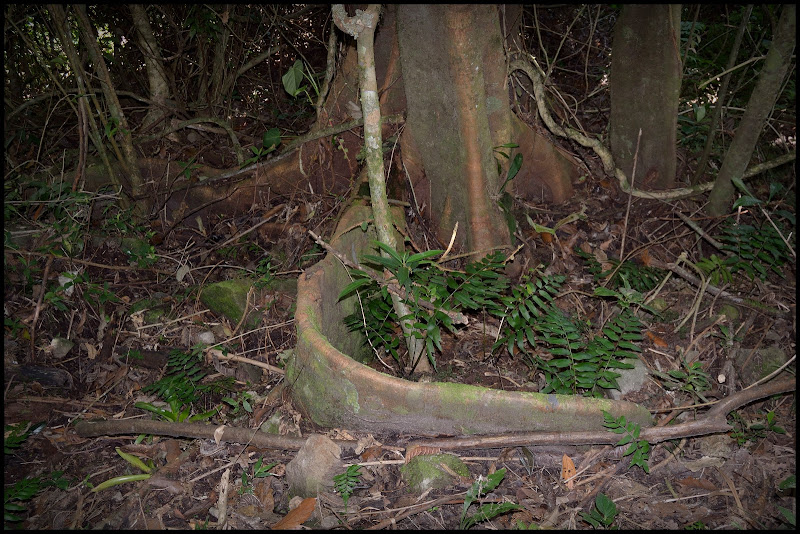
{"x": 424, "y": 472}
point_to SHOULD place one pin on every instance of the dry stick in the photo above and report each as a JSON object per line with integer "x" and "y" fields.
{"x": 712, "y": 422}
{"x": 38, "y": 309}
{"x": 689, "y": 277}
{"x": 392, "y": 287}
{"x": 630, "y": 197}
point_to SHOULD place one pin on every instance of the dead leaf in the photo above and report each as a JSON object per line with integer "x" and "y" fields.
{"x": 657, "y": 341}
{"x": 418, "y": 450}
{"x": 298, "y": 516}
{"x": 568, "y": 471}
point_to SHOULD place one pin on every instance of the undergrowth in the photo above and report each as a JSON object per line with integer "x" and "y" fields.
{"x": 575, "y": 356}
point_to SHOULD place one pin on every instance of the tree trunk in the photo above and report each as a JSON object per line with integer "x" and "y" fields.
{"x": 129, "y": 158}
{"x": 645, "y": 86}
{"x": 759, "y": 105}
{"x": 722, "y": 94}
{"x": 448, "y": 70}
{"x": 362, "y": 27}
{"x": 156, "y": 73}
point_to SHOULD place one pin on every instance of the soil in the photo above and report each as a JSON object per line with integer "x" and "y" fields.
{"x": 719, "y": 481}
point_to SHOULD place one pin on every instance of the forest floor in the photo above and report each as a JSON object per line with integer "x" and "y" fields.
{"x": 728, "y": 480}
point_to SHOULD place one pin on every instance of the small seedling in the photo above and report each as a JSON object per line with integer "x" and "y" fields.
{"x": 481, "y": 487}
{"x": 603, "y": 513}
{"x": 639, "y": 449}
{"x": 345, "y": 483}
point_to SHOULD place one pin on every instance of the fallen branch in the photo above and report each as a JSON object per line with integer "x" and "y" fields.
{"x": 713, "y": 422}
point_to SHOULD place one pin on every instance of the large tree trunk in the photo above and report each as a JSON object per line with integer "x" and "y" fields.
{"x": 156, "y": 73}
{"x": 454, "y": 71}
{"x": 762, "y": 99}
{"x": 645, "y": 86}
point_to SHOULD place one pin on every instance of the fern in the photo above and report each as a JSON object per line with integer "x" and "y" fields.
{"x": 529, "y": 303}
{"x": 755, "y": 249}
{"x": 480, "y": 286}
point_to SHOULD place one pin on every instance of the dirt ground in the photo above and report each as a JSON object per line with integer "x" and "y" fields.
{"x": 728, "y": 480}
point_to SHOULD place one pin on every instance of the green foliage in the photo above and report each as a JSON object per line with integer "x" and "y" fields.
{"x": 188, "y": 168}
{"x": 788, "y": 484}
{"x": 294, "y": 77}
{"x": 574, "y": 362}
{"x": 638, "y": 277}
{"x": 691, "y": 378}
{"x": 345, "y": 483}
{"x": 265, "y": 273}
{"x": 505, "y": 201}
{"x": 14, "y": 496}
{"x": 26, "y": 489}
{"x": 603, "y": 513}
{"x": 485, "y": 512}
{"x": 14, "y": 435}
{"x": 528, "y": 305}
{"x": 180, "y": 387}
{"x": 640, "y": 450}
{"x": 269, "y": 143}
{"x": 744, "y": 431}
{"x": 260, "y": 470}
{"x": 479, "y": 286}
{"x": 240, "y": 404}
{"x": 756, "y": 248}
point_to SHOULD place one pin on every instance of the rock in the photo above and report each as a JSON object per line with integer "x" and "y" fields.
{"x": 313, "y": 469}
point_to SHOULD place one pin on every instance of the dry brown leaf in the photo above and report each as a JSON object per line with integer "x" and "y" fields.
{"x": 420, "y": 449}
{"x": 298, "y": 516}
{"x": 568, "y": 471}
{"x": 657, "y": 341}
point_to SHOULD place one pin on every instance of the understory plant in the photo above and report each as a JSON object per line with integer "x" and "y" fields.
{"x": 573, "y": 358}
{"x": 181, "y": 387}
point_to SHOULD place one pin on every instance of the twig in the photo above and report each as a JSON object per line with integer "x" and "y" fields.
{"x": 630, "y": 198}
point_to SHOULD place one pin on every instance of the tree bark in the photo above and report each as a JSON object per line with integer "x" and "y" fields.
{"x": 129, "y": 159}
{"x": 362, "y": 27}
{"x": 156, "y": 73}
{"x": 759, "y": 105}
{"x": 645, "y": 87}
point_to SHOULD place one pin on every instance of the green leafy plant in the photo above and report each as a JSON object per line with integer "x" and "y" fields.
{"x": 14, "y": 496}
{"x": 788, "y": 484}
{"x": 744, "y": 431}
{"x": 240, "y": 404}
{"x": 293, "y": 79}
{"x": 147, "y": 472}
{"x": 504, "y": 198}
{"x": 345, "y": 483}
{"x": 14, "y": 435}
{"x": 485, "y": 512}
{"x": 586, "y": 364}
{"x": 269, "y": 143}
{"x": 603, "y": 513}
{"x": 27, "y": 488}
{"x": 755, "y": 249}
{"x": 265, "y": 273}
{"x": 627, "y": 273}
{"x": 432, "y": 295}
{"x": 716, "y": 268}
{"x": 180, "y": 387}
{"x": 188, "y": 168}
{"x": 639, "y": 449}
{"x": 260, "y": 470}
{"x": 527, "y": 306}
{"x": 691, "y": 378}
